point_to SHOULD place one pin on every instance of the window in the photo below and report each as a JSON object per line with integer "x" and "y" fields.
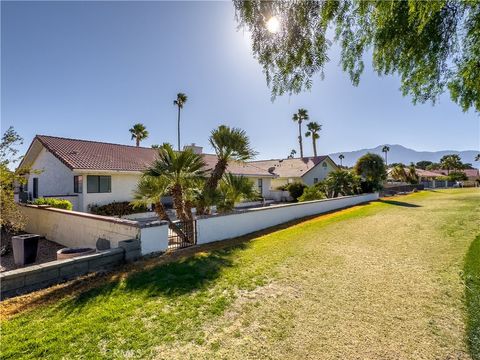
{"x": 324, "y": 164}
{"x": 260, "y": 186}
{"x": 78, "y": 184}
{"x": 315, "y": 180}
{"x": 35, "y": 188}
{"x": 99, "y": 184}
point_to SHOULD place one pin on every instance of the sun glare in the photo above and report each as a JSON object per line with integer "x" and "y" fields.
{"x": 273, "y": 25}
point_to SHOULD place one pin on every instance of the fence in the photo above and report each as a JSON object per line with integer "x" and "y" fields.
{"x": 392, "y": 190}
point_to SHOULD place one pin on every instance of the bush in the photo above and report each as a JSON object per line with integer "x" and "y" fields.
{"x": 282, "y": 188}
{"x": 296, "y": 189}
{"x": 371, "y": 168}
{"x": 117, "y": 209}
{"x": 311, "y": 193}
{"x": 53, "y": 202}
{"x": 457, "y": 176}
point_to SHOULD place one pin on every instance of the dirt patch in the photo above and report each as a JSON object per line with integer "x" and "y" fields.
{"x": 47, "y": 251}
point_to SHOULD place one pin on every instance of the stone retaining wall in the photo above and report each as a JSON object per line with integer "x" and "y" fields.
{"x": 27, "y": 279}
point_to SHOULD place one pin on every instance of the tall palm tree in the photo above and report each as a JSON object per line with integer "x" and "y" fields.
{"x": 385, "y": 150}
{"x": 182, "y": 170}
{"x": 179, "y": 102}
{"x": 301, "y": 115}
{"x": 139, "y": 132}
{"x": 341, "y": 157}
{"x": 292, "y": 154}
{"x": 477, "y": 158}
{"x": 230, "y": 144}
{"x": 313, "y": 131}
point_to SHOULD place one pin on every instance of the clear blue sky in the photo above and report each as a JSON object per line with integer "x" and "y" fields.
{"x": 90, "y": 70}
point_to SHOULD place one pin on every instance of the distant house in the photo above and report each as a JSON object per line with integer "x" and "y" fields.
{"x": 308, "y": 170}
{"x": 91, "y": 172}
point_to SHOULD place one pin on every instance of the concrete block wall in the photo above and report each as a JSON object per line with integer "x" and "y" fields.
{"x": 24, "y": 280}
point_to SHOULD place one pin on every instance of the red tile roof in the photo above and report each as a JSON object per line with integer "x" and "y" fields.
{"x": 290, "y": 168}
{"x": 93, "y": 155}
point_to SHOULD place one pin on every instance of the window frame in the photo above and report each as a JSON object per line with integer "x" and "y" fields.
{"x": 78, "y": 184}
{"x": 98, "y": 184}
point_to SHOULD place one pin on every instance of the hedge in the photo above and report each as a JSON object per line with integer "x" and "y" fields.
{"x": 53, "y": 202}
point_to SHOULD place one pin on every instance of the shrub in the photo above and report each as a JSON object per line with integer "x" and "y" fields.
{"x": 311, "y": 193}
{"x": 371, "y": 168}
{"x": 340, "y": 182}
{"x": 457, "y": 176}
{"x": 53, "y": 202}
{"x": 282, "y": 188}
{"x": 117, "y": 209}
{"x": 296, "y": 189}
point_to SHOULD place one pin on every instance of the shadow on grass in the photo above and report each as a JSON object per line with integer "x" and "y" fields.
{"x": 173, "y": 273}
{"x": 472, "y": 297}
{"x": 398, "y": 203}
{"x": 170, "y": 280}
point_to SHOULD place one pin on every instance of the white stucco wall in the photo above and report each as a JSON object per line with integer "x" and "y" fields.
{"x": 122, "y": 188}
{"x": 55, "y": 178}
{"x": 320, "y": 172}
{"x": 266, "y": 185}
{"x": 76, "y": 229}
{"x": 154, "y": 239}
{"x": 229, "y": 226}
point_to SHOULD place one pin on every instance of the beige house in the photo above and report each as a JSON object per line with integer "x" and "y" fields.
{"x": 308, "y": 170}
{"x": 91, "y": 172}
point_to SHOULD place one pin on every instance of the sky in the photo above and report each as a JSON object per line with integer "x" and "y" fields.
{"x": 91, "y": 70}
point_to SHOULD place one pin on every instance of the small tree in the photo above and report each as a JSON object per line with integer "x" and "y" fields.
{"x": 341, "y": 183}
{"x": 311, "y": 193}
{"x": 11, "y": 218}
{"x": 371, "y": 168}
{"x": 233, "y": 189}
{"x": 341, "y": 157}
{"x": 296, "y": 189}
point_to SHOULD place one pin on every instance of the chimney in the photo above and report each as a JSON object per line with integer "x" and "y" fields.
{"x": 196, "y": 149}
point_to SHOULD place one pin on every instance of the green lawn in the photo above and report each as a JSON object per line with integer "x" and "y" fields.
{"x": 395, "y": 279}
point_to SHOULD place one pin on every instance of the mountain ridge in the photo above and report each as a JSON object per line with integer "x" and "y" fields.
{"x": 401, "y": 154}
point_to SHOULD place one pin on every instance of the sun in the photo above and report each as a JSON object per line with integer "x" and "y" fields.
{"x": 273, "y": 25}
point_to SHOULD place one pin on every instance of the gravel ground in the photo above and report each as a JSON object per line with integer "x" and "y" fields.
{"x": 47, "y": 251}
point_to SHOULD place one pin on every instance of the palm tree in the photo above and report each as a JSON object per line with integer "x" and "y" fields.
{"x": 182, "y": 170}
{"x": 385, "y": 150}
{"x": 341, "y": 157}
{"x": 179, "y": 102}
{"x": 313, "y": 131}
{"x": 477, "y": 158}
{"x": 139, "y": 132}
{"x": 292, "y": 154}
{"x": 150, "y": 190}
{"x": 234, "y": 189}
{"x": 230, "y": 144}
{"x": 301, "y": 115}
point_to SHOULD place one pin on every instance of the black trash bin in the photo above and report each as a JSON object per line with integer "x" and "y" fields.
{"x": 25, "y": 248}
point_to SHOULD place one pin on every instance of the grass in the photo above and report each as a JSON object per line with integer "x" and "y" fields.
{"x": 381, "y": 281}
{"x": 472, "y": 295}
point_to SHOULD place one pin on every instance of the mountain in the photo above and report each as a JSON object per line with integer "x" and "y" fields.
{"x": 401, "y": 154}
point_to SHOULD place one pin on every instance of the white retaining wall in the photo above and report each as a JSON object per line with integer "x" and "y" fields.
{"x": 229, "y": 226}
{"x": 77, "y": 229}
{"x": 154, "y": 239}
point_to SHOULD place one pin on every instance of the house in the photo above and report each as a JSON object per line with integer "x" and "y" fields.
{"x": 91, "y": 172}
{"x": 308, "y": 170}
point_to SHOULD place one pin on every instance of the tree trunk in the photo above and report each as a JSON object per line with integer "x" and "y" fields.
{"x": 178, "y": 128}
{"x": 300, "y": 138}
{"x": 137, "y": 141}
{"x": 177, "y": 195}
{"x": 314, "y": 145}
{"x": 211, "y": 185}
{"x": 162, "y": 215}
